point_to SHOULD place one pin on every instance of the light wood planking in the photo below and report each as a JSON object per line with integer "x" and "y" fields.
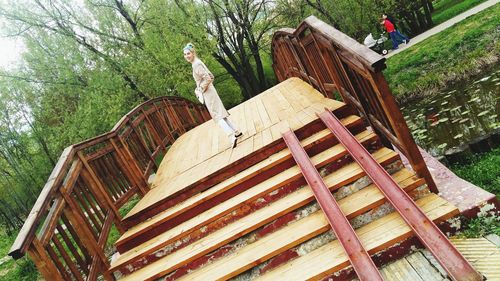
{"x": 238, "y": 178}
{"x": 252, "y": 222}
{"x": 262, "y": 119}
{"x": 352, "y": 172}
{"x": 375, "y": 236}
{"x": 271, "y": 245}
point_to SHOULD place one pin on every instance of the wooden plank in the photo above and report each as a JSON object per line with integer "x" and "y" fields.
{"x": 215, "y": 144}
{"x": 401, "y": 270}
{"x": 369, "y": 198}
{"x": 249, "y": 119}
{"x": 423, "y": 267}
{"x": 171, "y": 168}
{"x": 241, "y": 177}
{"x": 279, "y": 128}
{"x": 257, "y": 141}
{"x": 229, "y": 233}
{"x": 267, "y": 137}
{"x": 266, "y": 119}
{"x": 244, "y": 148}
{"x": 269, "y": 106}
{"x": 375, "y": 236}
{"x": 289, "y": 97}
{"x": 286, "y": 108}
{"x": 259, "y": 126}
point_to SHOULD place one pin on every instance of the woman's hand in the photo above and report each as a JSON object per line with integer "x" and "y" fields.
{"x": 199, "y": 94}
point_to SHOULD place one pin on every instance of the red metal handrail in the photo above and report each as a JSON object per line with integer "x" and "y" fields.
{"x": 428, "y": 233}
{"x": 359, "y": 257}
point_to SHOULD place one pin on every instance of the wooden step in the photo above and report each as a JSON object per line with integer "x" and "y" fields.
{"x": 227, "y": 189}
{"x": 178, "y": 188}
{"x": 390, "y": 229}
{"x": 251, "y": 222}
{"x": 375, "y": 236}
{"x": 338, "y": 179}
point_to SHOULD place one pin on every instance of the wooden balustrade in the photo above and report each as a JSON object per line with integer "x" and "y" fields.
{"x": 66, "y": 232}
{"x": 339, "y": 67}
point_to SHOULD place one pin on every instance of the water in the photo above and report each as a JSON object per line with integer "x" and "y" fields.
{"x": 457, "y": 115}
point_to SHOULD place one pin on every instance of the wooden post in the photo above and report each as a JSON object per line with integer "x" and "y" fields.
{"x": 155, "y": 134}
{"x": 132, "y": 170}
{"x": 95, "y": 184}
{"x": 173, "y": 116}
{"x": 401, "y": 130}
{"x": 43, "y": 261}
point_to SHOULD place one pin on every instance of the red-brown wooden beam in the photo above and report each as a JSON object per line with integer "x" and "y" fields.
{"x": 429, "y": 234}
{"x": 360, "y": 259}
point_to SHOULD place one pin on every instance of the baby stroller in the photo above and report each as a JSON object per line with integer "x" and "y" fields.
{"x": 376, "y": 44}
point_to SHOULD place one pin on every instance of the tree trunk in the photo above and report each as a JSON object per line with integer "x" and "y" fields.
{"x": 427, "y": 13}
{"x": 421, "y": 21}
{"x": 430, "y": 6}
{"x": 318, "y": 6}
{"x": 411, "y": 22}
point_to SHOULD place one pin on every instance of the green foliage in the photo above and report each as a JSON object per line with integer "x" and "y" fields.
{"x": 114, "y": 234}
{"x": 454, "y": 54}
{"x": 15, "y": 270}
{"x": 447, "y": 9}
{"x": 481, "y": 226}
{"x": 482, "y": 171}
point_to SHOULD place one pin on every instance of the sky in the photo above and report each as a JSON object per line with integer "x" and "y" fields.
{"x": 10, "y": 47}
{"x": 10, "y": 51}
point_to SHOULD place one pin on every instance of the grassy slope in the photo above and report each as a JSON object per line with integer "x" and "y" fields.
{"x": 483, "y": 171}
{"x": 454, "y": 54}
{"x": 11, "y": 270}
{"x": 446, "y": 9}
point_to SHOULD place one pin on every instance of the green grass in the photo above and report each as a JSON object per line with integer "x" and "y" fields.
{"x": 447, "y": 9}
{"x": 452, "y": 55}
{"x": 14, "y": 270}
{"x": 481, "y": 226}
{"x": 113, "y": 233}
{"x": 483, "y": 171}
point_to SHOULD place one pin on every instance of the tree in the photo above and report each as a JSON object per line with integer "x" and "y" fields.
{"x": 360, "y": 17}
{"x": 242, "y": 31}
{"x": 86, "y": 64}
{"x": 81, "y": 26}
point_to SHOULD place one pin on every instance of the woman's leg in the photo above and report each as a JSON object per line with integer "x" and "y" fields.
{"x": 226, "y": 127}
{"x": 394, "y": 40}
{"x": 403, "y": 38}
{"x": 229, "y": 131}
{"x": 235, "y": 129}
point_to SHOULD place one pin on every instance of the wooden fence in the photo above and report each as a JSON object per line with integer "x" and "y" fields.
{"x": 67, "y": 230}
{"x": 339, "y": 67}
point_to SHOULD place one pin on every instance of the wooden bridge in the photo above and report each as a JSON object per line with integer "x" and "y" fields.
{"x": 252, "y": 212}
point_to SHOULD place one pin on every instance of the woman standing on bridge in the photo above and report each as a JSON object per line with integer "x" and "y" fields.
{"x": 206, "y": 93}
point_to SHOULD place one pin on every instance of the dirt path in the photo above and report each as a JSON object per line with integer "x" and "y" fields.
{"x": 443, "y": 26}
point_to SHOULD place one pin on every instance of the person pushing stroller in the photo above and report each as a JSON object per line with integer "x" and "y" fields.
{"x": 393, "y": 32}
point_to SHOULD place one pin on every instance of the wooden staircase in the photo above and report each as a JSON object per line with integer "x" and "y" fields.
{"x": 215, "y": 213}
{"x": 263, "y": 222}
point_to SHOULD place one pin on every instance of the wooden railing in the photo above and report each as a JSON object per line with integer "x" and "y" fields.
{"x": 66, "y": 232}
{"x": 337, "y": 65}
